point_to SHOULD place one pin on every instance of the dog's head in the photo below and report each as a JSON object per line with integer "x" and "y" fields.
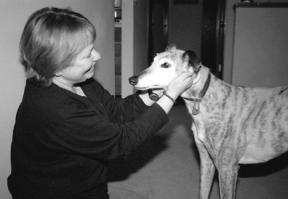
{"x": 165, "y": 67}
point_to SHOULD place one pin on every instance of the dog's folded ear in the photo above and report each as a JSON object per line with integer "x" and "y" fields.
{"x": 192, "y": 59}
{"x": 170, "y": 47}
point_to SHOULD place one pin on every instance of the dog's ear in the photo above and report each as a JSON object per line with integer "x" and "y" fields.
{"x": 192, "y": 60}
{"x": 170, "y": 47}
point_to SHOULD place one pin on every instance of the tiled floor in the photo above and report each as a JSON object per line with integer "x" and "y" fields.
{"x": 167, "y": 167}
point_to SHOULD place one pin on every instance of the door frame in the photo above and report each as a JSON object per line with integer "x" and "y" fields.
{"x": 213, "y": 34}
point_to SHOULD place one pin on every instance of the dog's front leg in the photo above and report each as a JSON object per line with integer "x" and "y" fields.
{"x": 207, "y": 171}
{"x": 227, "y": 181}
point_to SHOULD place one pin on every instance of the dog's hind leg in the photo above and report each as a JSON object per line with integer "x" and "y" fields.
{"x": 207, "y": 172}
{"x": 227, "y": 181}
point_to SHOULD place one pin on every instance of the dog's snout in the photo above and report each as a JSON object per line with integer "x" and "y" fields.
{"x": 133, "y": 80}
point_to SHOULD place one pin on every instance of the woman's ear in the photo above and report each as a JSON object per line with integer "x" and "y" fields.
{"x": 192, "y": 60}
{"x": 58, "y": 74}
{"x": 170, "y": 47}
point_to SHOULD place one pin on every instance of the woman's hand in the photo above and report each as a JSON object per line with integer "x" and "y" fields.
{"x": 180, "y": 84}
{"x": 175, "y": 88}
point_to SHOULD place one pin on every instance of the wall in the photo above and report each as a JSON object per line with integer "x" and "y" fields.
{"x": 260, "y": 47}
{"x": 134, "y": 41}
{"x": 127, "y": 62}
{"x": 13, "y": 15}
{"x": 229, "y": 32}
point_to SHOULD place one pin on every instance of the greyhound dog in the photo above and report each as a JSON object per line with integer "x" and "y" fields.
{"x": 231, "y": 125}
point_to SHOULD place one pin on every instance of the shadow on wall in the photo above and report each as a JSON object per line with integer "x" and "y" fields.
{"x": 121, "y": 169}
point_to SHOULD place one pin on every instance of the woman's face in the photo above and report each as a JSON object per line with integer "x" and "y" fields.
{"x": 82, "y": 67}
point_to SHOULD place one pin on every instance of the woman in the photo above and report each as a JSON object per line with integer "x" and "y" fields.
{"x": 68, "y": 126}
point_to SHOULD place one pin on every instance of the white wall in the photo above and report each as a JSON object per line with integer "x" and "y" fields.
{"x": 13, "y": 15}
{"x": 127, "y": 51}
{"x": 260, "y": 47}
{"x": 134, "y": 41}
{"x": 229, "y": 33}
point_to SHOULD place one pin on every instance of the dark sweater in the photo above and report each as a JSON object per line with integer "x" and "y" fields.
{"x": 62, "y": 141}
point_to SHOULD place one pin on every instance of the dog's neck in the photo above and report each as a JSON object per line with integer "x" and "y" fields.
{"x": 198, "y": 89}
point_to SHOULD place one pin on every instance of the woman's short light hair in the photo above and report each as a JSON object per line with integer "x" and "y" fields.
{"x": 51, "y": 38}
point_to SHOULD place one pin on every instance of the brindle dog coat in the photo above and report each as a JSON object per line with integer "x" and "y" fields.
{"x": 231, "y": 125}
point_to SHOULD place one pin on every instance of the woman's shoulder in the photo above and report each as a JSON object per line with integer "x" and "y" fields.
{"x": 92, "y": 83}
{"x": 92, "y": 88}
{"x": 46, "y": 98}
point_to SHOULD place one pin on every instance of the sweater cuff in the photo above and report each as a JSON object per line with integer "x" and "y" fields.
{"x": 139, "y": 103}
{"x": 158, "y": 110}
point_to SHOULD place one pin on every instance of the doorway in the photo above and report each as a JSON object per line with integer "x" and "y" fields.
{"x": 158, "y": 27}
{"x": 202, "y": 26}
{"x": 213, "y": 26}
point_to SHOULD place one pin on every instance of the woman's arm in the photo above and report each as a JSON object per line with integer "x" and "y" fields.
{"x": 119, "y": 109}
{"x": 89, "y": 132}
{"x": 175, "y": 88}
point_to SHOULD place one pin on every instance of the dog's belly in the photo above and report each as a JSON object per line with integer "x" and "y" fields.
{"x": 254, "y": 154}
{"x": 266, "y": 137}
{"x": 264, "y": 122}
{"x": 257, "y": 118}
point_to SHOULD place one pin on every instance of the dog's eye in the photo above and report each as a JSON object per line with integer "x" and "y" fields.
{"x": 165, "y": 65}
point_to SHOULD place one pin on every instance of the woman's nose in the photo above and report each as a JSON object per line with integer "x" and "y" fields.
{"x": 96, "y": 55}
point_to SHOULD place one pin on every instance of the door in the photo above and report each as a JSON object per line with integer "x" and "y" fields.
{"x": 158, "y": 27}
{"x": 213, "y": 24}
{"x": 213, "y": 35}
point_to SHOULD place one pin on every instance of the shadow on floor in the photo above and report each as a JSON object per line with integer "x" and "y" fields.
{"x": 263, "y": 169}
{"x": 121, "y": 169}
{"x": 167, "y": 167}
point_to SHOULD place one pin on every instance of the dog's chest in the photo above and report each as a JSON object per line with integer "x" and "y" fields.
{"x": 208, "y": 128}
{"x": 216, "y": 119}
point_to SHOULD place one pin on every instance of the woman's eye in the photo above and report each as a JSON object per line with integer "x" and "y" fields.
{"x": 89, "y": 55}
{"x": 165, "y": 65}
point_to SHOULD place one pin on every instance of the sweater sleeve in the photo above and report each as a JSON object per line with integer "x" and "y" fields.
{"x": 91, "y": 133}
{"x": 119, "y": 109}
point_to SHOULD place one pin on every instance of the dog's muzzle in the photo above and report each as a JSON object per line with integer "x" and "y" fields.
{"x": 153, "y": 96}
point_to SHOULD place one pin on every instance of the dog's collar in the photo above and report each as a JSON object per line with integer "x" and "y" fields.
{"x": 197, "y": 100}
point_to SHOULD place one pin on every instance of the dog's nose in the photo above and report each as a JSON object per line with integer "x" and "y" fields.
{"x": 133, "y": 80}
